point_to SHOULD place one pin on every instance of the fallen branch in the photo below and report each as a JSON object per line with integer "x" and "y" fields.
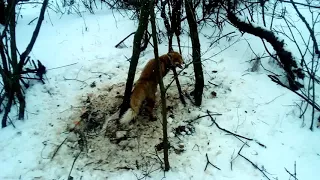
{"x": 231, "y": 165}
{"x": 199, "y": 117}
{"x": 74, "y": 161}
{"x": 229, "y": 132}
{"x": 295, "y": 172}
{"x": 196, "y": 145}
{"x": 213, "y": 83}
{"x": 254, "y": 165}
{"x": 62, "y": 66}
{"x": 74, "y": 79}
{"x": 291, "y": 174}
{"x": 56, "y": 151}
{"x": 71, "y": 130}
{"x": 208, "y": 162}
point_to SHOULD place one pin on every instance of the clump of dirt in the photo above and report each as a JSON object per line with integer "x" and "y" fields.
{"x": 184, "y": 130}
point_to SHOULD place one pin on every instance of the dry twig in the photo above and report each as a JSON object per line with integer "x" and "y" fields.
{"x": 208, "y": 162}
{"x": 254, "y": 165}
{"x": 229, "y": 132}
{"x": 74, "y": 161}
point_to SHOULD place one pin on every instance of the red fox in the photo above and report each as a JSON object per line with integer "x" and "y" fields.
{"x": 146, "y": 86}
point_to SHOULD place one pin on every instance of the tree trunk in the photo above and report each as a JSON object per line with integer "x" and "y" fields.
{"x": 176, "y": 19}
{"x": 196, "y": 53}
{"x": 2, "y": 12}
{"x": 7, "y": 110}
{"x": 167, "y": 24}
{"x": 142, "y": 27}
{"x": 162, "y": 90}
{"x": 12, "y": 31}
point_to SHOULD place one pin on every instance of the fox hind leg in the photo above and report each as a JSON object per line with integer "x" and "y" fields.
{"x": 150, "y": 103}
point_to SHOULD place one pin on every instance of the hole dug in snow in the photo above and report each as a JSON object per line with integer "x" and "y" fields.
{"x": 135, "y": 146}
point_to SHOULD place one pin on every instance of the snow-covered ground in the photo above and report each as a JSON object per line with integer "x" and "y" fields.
{"x": 250, "y": 105}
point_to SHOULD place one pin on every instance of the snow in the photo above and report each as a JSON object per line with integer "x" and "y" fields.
{"x": 250, "y": 103}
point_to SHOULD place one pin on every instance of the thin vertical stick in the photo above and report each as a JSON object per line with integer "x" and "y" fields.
{"x": 162, "y": 89}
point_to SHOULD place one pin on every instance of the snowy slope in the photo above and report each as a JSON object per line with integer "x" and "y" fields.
{"x": 251, "y": 105}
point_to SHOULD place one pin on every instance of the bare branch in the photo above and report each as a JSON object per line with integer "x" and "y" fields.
{"x": 35, "y": 34}
{"x": 208, "y": 162}
{"x": 316, "y": 48}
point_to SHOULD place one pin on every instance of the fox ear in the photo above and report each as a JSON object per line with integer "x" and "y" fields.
{"x": 170, "y": 58}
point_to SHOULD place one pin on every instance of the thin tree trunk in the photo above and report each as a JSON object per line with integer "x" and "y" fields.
{"x": 143, "y": 24}
{"x": 175, "y": 75}
{"x": 170, "y": 42}
{"x": 22, "y": 102}
{"x": 34, "y": 35}
{"x": 2, "y": 12}
{"x": 7, "y": 110}
{"x": 178, "y": 39}
{"x": 197, "y": 65}
{"x": 167, "y": 24}
{"x": 12, "y": 30}
{"x": 3, "y": 58}
{"x": 162, "y": 90}
{"x": 176, "y": 26}
{"x": 12, "y": 82}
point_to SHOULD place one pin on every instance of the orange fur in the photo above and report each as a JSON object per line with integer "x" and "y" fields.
{"x": 146, "y": 86}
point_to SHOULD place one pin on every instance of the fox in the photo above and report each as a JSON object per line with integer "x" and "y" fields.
{"x": 145, "y": 87}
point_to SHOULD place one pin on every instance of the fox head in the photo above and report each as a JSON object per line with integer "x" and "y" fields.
{"x": 175, "y": 59}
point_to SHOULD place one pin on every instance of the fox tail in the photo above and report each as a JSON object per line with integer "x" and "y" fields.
{"x": 128, "y": 116}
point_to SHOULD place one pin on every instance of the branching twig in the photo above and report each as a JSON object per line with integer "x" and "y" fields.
{"x": 292, "y": 175}
{"x": 254, "y": 165}
{"x": 229, "y": 132}
{"x": 308, "y": 27}
{"x": 208, "y": 162}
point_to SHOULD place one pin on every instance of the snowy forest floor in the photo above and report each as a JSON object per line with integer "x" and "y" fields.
{"x": 247, "y": 103}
